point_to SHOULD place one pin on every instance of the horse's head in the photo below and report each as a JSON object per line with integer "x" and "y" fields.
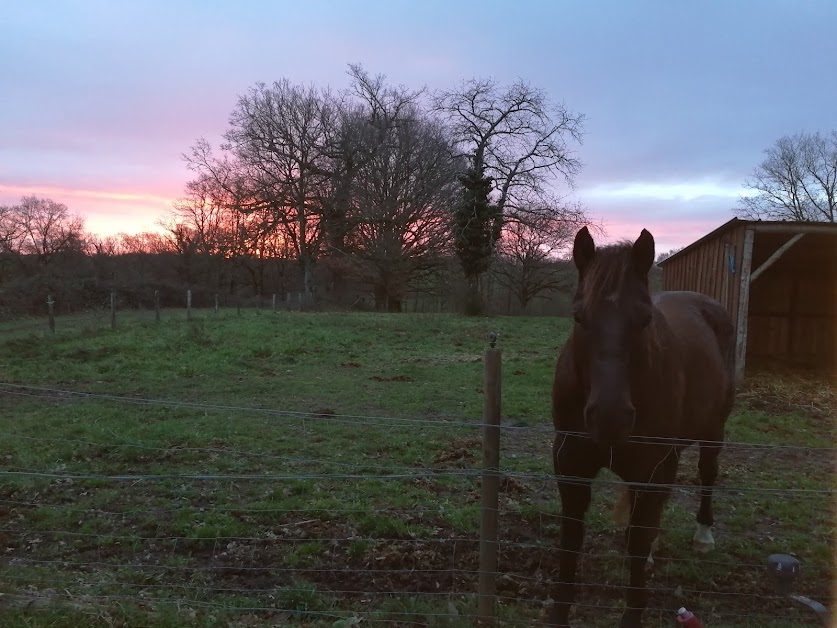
{"x": 612, "y": 309}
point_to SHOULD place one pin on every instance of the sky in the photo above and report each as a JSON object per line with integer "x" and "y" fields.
{"x": 99, "y": 99}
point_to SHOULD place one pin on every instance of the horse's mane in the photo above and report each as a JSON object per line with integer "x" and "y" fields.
{"x": 607, "y": 270}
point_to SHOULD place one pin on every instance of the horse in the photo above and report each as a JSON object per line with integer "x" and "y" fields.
{"x": 640, "y": 378}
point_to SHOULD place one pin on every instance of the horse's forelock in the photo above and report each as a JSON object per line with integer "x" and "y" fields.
{"x": 607, "y": 271}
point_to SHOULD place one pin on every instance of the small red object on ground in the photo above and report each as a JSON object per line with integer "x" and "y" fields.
{"x": 688, "y": 619}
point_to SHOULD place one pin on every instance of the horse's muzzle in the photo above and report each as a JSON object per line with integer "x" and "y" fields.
{"x": 609, "y": 427}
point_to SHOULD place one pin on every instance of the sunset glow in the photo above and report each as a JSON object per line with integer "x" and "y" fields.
{"x": 106, "y": 212}
{"x": 667, "y": 146}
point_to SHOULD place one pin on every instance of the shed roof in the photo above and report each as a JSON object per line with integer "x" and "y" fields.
{"x": 787, "y": 226}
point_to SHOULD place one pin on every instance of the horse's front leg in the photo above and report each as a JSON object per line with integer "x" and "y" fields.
{"x": 647, "y": 503}
{"x": 642, "y": 530}
{"x": 572, "y": 462}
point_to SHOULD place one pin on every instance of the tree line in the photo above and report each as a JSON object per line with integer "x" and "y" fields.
{"x": 387, "y": 183}
{"x": 47, "y": 251}
{"x": 376, "y": 191}
{"x": 377, "y": 188}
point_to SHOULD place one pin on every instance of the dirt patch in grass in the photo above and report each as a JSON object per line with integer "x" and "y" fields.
{"x": 448, "y": 359}
{"x": 462, "y": 452}
{"x": 393, "y": 378}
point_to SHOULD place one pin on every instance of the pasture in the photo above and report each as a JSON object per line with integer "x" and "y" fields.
{"x": 321, "y": 469}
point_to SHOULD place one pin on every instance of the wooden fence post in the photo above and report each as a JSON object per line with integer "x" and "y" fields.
{"x": 216, "y": 304}
{"x": 274, "y": 303}
{"x": 490, "y": 487}
{"x": 238, "y": 304}
{"x": 188, "y": 305}
{"x": 113, "y": 310}
{"x": 50, "y": 304}
{"x": 157, "y": 305}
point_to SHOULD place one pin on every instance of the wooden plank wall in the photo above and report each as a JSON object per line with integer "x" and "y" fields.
{"x": 792, "y": 313}
{"x": 706, "y": 269}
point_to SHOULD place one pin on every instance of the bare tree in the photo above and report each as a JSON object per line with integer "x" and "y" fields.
{"x": 516, "y": 135}
{"x": 147, "y": 242}
{"x": 528, "y": 256}
{"x": 281, "y": 133}
{"x": 519, "y": 148}
{"x": 42, "y": 228}
{"x": 403, "y": 197}
{"x": 9, "y": 228}
{"x": 797, "y": 180}
{"x": 182, "y": 239}
{"x": 252, "y": 242}
{"x": 203, "y": 211}
{"x": 666, "y": 254}
{"x": 103, "y": 251}
{"x": 367, "y": 114}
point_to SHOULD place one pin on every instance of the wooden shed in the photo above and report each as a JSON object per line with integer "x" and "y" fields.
{"x": 778, "y": 280}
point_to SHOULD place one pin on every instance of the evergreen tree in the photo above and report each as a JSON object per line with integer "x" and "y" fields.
{"x": 477, "y": 226}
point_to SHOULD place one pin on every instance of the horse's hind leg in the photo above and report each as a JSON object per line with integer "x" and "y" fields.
{"x": 708, "y": 469}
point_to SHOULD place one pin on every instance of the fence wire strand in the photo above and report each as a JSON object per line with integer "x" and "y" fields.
{"x": 293, "y": 532}
{"x": 55, "y": 394}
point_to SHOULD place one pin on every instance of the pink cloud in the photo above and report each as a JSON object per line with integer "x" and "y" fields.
{"x": 106, "y": 212}
{"x": 668, "y": 234}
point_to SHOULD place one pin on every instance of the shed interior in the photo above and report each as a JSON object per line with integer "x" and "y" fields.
{"x": 792, "y": 314}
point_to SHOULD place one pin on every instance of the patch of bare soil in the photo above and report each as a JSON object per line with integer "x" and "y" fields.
{"x": 393, "y": 378}
{"x": 448, "y": 359}
{"x": 459, "y": 453}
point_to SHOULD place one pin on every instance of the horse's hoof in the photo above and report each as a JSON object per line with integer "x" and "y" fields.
{"x": 655, "y": 544}
{"x": 703, "y": 542}
{"x": 702, "y": 548}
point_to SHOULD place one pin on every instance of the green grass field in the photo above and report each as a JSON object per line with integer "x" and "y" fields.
{"x": 319, "y": 469}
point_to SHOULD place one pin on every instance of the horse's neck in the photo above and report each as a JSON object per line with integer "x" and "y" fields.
{"x": 657, "y": 372}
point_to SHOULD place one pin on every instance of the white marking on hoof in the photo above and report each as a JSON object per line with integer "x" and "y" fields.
{"x": 649, "y": 562}
{"x": 703, "y": 541}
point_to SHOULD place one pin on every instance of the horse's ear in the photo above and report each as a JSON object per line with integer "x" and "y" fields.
{"x": 642, "y": 253}
{"x": 584, "y": 249}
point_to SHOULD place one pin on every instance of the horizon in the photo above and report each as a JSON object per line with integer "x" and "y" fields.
{"x": 102, "y": 100}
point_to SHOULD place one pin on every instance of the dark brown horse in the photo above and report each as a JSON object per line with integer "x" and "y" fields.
{"x": 639, "y": 379}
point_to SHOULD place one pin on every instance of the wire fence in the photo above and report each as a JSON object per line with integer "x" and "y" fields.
{"x": 113, "y": 310}
{"x": 266, "y": 531}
